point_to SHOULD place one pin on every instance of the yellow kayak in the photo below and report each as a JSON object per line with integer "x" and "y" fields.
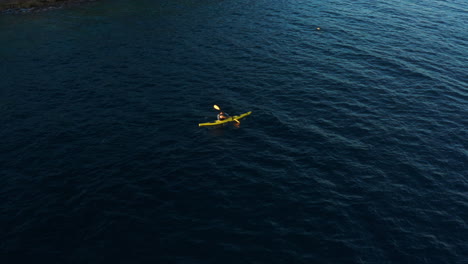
{"x": 230, "y": 119}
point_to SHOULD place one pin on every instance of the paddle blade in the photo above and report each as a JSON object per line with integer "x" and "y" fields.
{"x": 216, "y": 107}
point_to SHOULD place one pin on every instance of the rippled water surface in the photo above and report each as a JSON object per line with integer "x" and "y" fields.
{"x": 356, "y": 150}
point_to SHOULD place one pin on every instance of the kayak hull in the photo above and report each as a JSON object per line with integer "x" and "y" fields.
{"x": 225, "y": 121}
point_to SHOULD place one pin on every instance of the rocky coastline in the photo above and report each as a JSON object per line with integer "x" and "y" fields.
{"x": 23, "y": 6}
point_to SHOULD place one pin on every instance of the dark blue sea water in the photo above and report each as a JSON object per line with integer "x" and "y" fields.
{"x": 356, "y": 150}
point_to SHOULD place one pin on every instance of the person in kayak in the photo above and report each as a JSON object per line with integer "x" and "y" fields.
{"x": 222, "y": 116}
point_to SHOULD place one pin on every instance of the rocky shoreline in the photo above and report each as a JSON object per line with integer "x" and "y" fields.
{"x": 23, "y": 6}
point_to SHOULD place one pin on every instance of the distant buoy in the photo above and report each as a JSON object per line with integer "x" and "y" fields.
{"x": 318, "y": 28}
